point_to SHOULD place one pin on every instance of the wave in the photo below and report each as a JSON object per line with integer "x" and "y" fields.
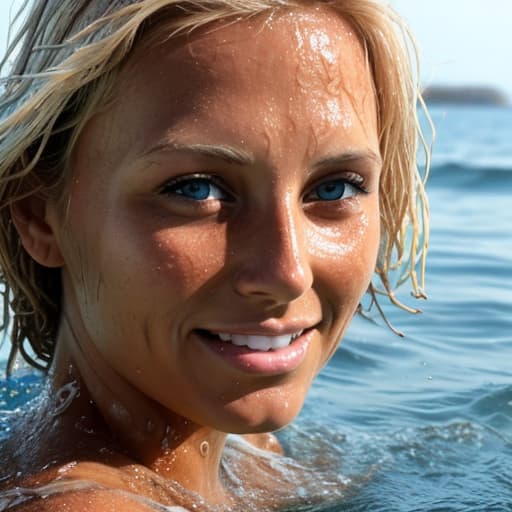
{"x": 497, "y": 165}
{"x": 495, "y": 179}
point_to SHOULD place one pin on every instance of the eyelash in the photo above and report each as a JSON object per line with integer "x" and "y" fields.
{"x": 352, "y": 179}
{"x": 190, "y": 178}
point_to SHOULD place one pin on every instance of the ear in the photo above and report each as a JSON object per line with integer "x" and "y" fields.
{"x": 30, "y": 217}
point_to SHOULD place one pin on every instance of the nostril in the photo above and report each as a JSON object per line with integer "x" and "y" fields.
{"x": 275, "y": 263}
{"x": 280, "y": 285}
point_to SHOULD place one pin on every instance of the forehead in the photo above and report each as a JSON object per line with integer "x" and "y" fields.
{"x": 314, "y": 42}
{"x": 286, "y": 68}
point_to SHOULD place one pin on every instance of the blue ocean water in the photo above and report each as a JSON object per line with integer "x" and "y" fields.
{"x": 424, "y": 422}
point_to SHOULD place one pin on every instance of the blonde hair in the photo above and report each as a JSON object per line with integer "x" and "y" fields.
{"x": 69, "y": 55}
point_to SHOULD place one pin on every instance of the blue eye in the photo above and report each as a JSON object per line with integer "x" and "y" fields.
{"x": 332, "y": 190}
{"x": 198, "y": 189}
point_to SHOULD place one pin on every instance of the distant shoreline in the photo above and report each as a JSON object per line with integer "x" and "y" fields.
{"x": 465, "y": 95}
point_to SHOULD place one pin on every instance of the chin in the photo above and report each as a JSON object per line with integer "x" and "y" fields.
{"x": 260, "y": 418}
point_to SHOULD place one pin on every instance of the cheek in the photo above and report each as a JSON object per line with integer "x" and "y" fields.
{"x": 160, "y": 251}
{"x": 133, "y": 269}
{"x": 187, "y": 258}
{"x": 348, "y": 251}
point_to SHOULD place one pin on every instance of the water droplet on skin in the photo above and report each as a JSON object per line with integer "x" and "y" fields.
{"x": 67, "y": 467}
{"x": 204, "y": 448}
{"x": 120, "y": 412}
{"x": 65, "y": 396}
{"x": 83, "y": 426}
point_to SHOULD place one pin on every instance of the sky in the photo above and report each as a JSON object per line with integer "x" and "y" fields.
{"x": 461, "y": 41}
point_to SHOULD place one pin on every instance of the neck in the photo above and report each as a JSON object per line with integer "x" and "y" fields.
{"x": 170, "y": 445}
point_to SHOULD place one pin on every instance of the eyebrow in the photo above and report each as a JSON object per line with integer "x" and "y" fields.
{"x": 334, "y": 160}
{"x": 227, "y": 153}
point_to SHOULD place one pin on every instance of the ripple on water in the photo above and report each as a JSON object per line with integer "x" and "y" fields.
{"x": 460, "y": 467}
{"x": 15, "y": 392}
{"x": 494, "y": 406}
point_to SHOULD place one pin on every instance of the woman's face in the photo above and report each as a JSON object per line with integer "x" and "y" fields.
{"x": 229, "y": 197}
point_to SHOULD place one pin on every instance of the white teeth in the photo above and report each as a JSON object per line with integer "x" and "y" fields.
{"x": 258, "y": 342}
{"x": 261, "y": 343}
{"x": 282, "y": 341}
{"x": 239, "y": 341}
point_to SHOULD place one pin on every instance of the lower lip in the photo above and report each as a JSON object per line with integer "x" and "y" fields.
{"x": 270, "y": 362}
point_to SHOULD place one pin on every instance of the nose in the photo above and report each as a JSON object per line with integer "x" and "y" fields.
{"x": 274, "y": 263}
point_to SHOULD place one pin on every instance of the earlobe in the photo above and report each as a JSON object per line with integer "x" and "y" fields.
{"x": 37, "y": 236}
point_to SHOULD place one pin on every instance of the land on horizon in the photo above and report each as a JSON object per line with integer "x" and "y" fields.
{"x": 465, "y": 94}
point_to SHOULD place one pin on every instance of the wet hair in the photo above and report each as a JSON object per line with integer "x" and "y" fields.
{"x": 68, "y": 56}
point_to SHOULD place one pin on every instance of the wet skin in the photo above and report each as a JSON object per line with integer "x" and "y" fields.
{"x": 232, "y": 187}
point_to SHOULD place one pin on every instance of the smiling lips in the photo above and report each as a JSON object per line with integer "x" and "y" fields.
{"x": 261, "y": 343}
{"x": 260, "y": 354}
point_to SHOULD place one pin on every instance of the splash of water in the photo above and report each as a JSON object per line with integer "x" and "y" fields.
{"x": 20, "y": 495}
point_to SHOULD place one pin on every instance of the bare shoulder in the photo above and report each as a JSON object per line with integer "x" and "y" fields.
{"x": 78, "y": 487}
{"x": 265, "y": 441}
{"x": 94, "y": 500}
